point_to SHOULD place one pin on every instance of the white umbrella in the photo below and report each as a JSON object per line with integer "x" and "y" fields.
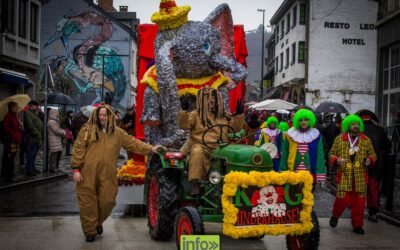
{"x": 283, "y": 111}
{"x": 87, "y": 110}
{"x": 273, "y": 104}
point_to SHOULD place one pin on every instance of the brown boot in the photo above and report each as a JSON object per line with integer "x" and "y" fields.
{"x": 196, "y": 188}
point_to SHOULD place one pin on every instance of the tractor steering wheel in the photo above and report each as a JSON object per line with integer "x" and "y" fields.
{"x": 220, "y": 140}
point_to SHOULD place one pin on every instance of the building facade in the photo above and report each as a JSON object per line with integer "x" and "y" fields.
{"x": 19, "y": 46}
{"x": 388, "y": 65}
{"x": 89, "y": 51}
{"x": 326, "y": 52}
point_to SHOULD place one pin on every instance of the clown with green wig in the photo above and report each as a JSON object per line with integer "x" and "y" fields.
{"x": 352, "y": 152}
{"x": 271, "y": 134}
{"x": 302, "y": 147}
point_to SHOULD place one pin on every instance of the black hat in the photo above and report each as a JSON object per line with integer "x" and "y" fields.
{"x": 33, "y": 103}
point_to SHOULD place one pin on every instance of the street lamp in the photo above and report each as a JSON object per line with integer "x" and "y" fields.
{"x": 262, "y": 55}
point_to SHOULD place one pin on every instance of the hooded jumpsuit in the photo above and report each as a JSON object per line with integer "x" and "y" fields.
{"x": 97, "y": 160}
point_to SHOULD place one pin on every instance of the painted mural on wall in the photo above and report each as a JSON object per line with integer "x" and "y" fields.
{"x": 78, "y": 67}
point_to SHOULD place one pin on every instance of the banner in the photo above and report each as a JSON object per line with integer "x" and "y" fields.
{"x": 256, "y": 203}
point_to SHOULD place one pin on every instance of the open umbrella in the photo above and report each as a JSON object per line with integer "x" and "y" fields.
{"x": 60, "y": 99}
{"x": 87, "y": 110}
{"x": 283, "y": 111}
{"x": 331, "y": 107}
{"x": 20, "y": 99}
{"x": 301, "y": 106}
{"x": 365, "y": 113}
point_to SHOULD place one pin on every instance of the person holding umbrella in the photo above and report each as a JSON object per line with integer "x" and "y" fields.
{"x": 381, "y": 144}
{"x": 12, "y": 137}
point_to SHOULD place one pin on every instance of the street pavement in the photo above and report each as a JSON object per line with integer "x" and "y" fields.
{"x": 64, "y": 232}
{"x": 46, "y": 216}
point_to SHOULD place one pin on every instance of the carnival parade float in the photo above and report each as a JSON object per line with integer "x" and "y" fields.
{"x": 240, "y": 190}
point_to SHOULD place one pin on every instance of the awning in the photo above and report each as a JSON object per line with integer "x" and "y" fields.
{"x": 10, "y": 76}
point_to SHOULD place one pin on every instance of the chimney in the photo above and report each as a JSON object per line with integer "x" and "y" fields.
{"x": 106, "y": 5}
{"x": 123, "y": 8}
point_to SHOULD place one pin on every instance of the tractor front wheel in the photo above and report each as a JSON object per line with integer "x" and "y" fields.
{"x": 188, "y": 222}
{"x": 162, "y": 204}
{"x": 306, "y": 241}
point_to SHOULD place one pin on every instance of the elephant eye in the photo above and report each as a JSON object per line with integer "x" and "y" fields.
{"x": 207, "y": 48}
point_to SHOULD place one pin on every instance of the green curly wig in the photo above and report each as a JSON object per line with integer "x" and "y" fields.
{"x": 272, "y": 119}
{"x": 349, "y": 120}
{"x": 283, "y": 126}
{"x": 301, "y": 114}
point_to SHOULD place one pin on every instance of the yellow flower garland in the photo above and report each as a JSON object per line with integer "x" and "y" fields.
{"x": 233, "y": 180}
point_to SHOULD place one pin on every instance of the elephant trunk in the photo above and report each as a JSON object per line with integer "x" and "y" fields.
{"x": 224, "y": 63}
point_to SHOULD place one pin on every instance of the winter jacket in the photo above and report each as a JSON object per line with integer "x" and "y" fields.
{"x": 54, "y": 132}
{"x": 12, "y": 128}
{"x": 381, "y": 144}
{"x": 33, "y": 126}
{"x": 77, "y": 124}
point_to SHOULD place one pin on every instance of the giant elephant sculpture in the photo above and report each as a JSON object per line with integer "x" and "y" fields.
{"x": 188, "y": 57}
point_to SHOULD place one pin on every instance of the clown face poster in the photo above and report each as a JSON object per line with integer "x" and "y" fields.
{"x": 269, "y": 205}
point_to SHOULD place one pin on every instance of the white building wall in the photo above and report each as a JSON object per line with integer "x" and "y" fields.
{"x": 340, "y": 72}
{"x": 296, "y": 34}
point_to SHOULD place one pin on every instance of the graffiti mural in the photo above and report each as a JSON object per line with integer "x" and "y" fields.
{"x": 78, "y": 67}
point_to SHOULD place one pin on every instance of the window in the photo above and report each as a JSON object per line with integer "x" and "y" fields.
{"x": 301, "y": 52}
{"x": 282, "y": 28}
{"x": 390, "y": 75}
{"x": 34, "y": 22}
{"x": 22, "y": 18}
{"x": 287, "y": 58}
{"x": 281, "y": 67}
{"x": 276, "y": 65}
{"x": 277, "y": 33}
{"x": 293, "y": 53}
{"x": 303, "y": 13}
{"x": 288, "y": 23}
{"x": 7, "y": 16}
{"x": 294, "y": 16}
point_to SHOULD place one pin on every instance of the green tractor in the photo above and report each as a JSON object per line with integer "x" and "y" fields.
{"x": 173, "y": 211}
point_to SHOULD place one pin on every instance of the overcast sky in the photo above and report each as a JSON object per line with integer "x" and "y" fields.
{"x": 243, "y": 11}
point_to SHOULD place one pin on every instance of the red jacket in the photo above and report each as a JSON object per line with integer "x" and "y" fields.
{"x": 11, "y": 127}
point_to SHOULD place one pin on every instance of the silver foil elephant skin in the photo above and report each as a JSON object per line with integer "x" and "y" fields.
{"x": 194, "y": 50}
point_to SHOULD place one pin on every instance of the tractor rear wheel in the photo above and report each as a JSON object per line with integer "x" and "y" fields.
{"x": 306, "y": 241}
{"x": 162, "y": 204}
{"x": 188, "y": 222}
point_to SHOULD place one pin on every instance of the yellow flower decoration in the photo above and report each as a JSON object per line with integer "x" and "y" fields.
{"x": 233, "y": 180}
{"x": 170, "y": 15}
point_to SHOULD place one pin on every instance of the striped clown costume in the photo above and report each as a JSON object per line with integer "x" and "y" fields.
{"x": 302, "y": 149}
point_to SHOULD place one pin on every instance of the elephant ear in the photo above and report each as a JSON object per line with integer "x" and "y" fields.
{"x": 221, "y": 19}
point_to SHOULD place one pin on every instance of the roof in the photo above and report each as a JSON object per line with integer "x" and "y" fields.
{"x": 123, "y": 15}
{"x": 285, "y": 6}
{"x": 105, "y": 13}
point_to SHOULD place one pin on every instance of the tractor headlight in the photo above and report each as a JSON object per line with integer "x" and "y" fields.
{"x": 257, "y": 159}
{"x": 215, "y": 177}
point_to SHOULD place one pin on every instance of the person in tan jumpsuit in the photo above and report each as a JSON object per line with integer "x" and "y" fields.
{"x": 209, "y": 112}
{"x": 94, "y": 160}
